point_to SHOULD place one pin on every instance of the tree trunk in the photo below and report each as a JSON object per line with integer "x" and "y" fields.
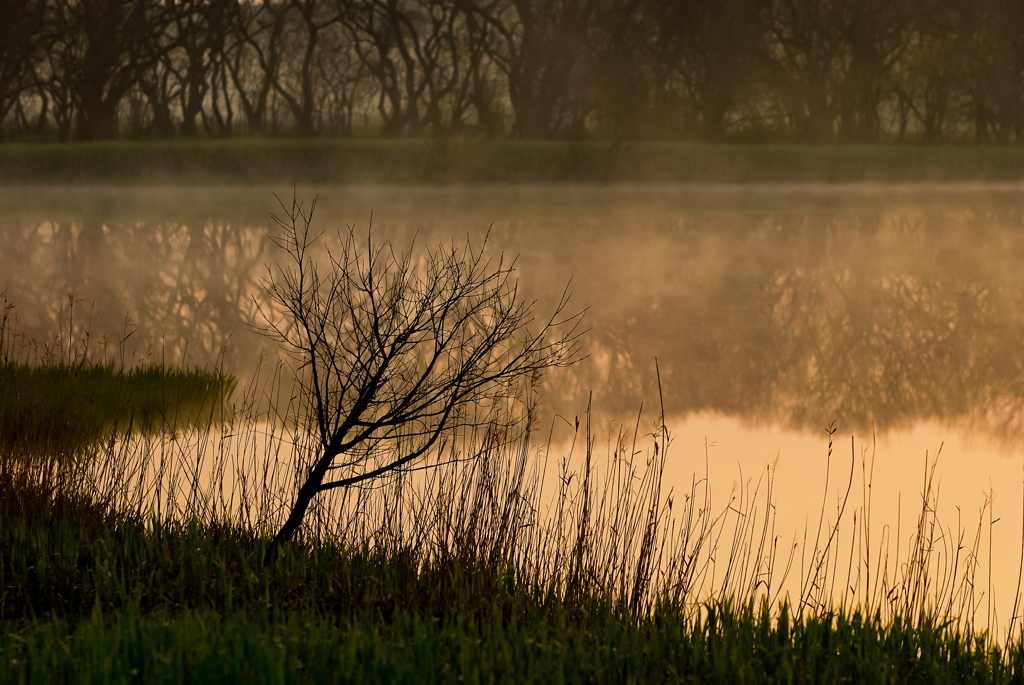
{"x": 307, "y": 492}
{"x": 298, "y": 513}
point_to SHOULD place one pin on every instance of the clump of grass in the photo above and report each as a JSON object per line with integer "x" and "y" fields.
{"x": 62, "y": 409}
{"x": 59, "y": 401}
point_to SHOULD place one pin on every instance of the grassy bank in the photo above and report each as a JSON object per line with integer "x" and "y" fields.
{"x": 89, "y": 596}
{"x": 146, "y": 557}
{"x": 466, "y": 576}
{"x": 457, "y": 161}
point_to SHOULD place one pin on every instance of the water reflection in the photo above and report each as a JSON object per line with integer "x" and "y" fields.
{"x": 875, "y": 321}
{"x": 878, "y": 310}
{"x": 186, "y": 289}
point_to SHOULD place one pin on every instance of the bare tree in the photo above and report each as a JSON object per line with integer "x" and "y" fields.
{"x": 254, "y": 57}
{"x": 296, "y": 82}
{"x": 397, "y": 354}
{"x": 993, "y": 68}
{"x": 200, "y": 32}
{"x": 20, "y": 42}
{"x": 541, "y": 48}
{"x": 344, "y": 84}
{"x": 101, "y": 49}
{"x": 929, "y": 78}
{"x": 702, "y": 57}
{"x": 414, "y": 50}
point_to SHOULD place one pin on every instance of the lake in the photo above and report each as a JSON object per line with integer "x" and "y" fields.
{"x": 894, "y": 314}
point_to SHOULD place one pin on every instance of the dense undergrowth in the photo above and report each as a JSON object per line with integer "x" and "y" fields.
{"x": 144, "y": 558}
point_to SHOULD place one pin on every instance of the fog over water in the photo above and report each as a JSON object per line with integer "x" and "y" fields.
{"x": 797, "y": 306}
{"x": 896, "y": 313}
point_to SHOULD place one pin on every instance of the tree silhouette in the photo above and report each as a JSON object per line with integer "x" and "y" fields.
{"x": 397, "y": 354}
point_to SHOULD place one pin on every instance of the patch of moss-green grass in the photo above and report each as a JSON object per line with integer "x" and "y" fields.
{"x": 455, "y": 160}
{"x": 60, "y": 408}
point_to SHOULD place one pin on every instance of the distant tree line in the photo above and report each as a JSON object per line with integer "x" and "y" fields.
{"x": 708, "y": 70}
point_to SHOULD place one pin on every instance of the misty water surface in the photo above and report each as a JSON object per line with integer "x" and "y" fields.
{"x": 871, "y": 307}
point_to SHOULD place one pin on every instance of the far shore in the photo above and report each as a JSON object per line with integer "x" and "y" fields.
{"x": 364, "y": 160}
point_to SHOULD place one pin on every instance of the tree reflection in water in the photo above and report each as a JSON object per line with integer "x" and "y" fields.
{"x": 187, "y": 288}
{"x": 786, "y": 308}
{"x": 879, "y": 321}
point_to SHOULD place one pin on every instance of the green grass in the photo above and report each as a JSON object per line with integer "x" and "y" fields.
{"x": 57, "y": 401}
{"x": 132, "y": 566}
{"x": 463, "y": 161}
{"x": 63, "y": 408}
{"x": 99, "y": 598}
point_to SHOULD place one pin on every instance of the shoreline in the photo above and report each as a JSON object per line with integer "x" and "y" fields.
{"x": 377, "y": 161}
